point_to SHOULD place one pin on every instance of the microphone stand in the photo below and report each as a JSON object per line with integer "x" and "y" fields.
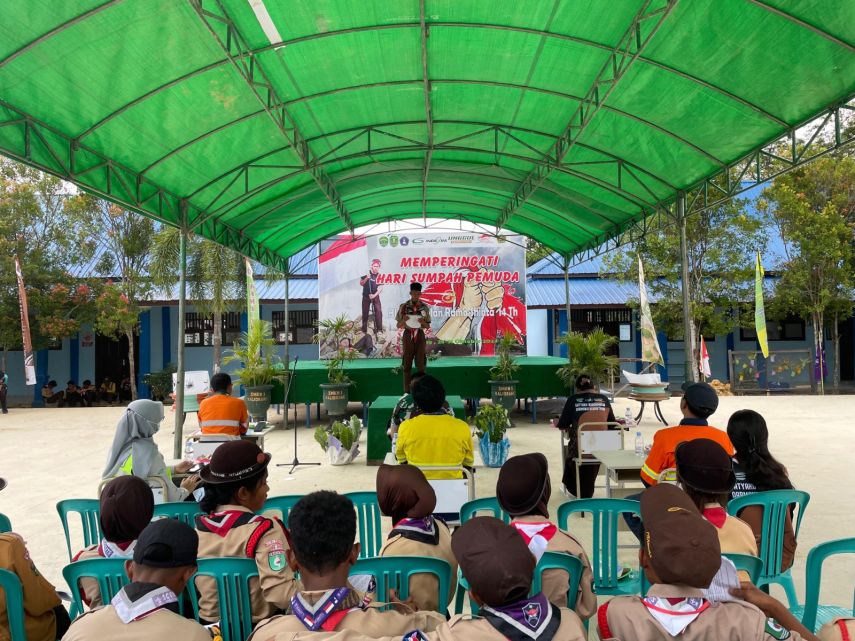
{"x": 296, "y": 462}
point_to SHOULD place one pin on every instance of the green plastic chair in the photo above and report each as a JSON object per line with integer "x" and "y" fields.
{"x": 394, "y": 572}
{"x": 5, "y": 524}
{"x": 89, "y": 511}
{"x": 369, "y": 521}
{"x": 232, "y": 577}
{"x": 14, "y": 597}
{"x": 490, "y": 504}
{"x": 749, "y": 563}
{"x": 184, "y": 511}
{"x": 109, "y": 573}
{"x": 776, "y": 505}
{"x": 813, "y": 615}
{"x": 282, "y": 504}
{"x": 607, "y": 515}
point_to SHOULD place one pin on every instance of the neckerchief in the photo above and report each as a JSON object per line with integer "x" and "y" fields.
{"x": 138, "y": 600}
{"x": 414, "y": 308}
{"x": 314, "y": 615}
{"x": 422, "y": 530}
{"x": 536, "y": 535}
{"x": 221, "y": 523}
{"x": 675, "y": 617}
{"x": 110, "y": 550}
{"x": 532, "y": 618}
{"x": 716, "y": 515}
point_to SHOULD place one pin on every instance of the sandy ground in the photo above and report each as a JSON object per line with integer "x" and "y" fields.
{"x": 50, "y": 454}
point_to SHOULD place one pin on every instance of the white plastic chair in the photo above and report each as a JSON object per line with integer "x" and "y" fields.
{"x": 451, "y": 494}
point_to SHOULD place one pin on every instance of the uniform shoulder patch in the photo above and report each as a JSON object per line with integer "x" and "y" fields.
{"x": 414, "y": 635}
{"x": 776, "y": 630}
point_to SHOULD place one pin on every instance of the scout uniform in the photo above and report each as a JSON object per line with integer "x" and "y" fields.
{"x": 512, "y": 624}
{"x": 223, "y": 414}
{"x": 413, "y": 341}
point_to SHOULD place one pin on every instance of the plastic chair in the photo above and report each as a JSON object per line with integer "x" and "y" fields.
{"x": 490, "y": 504}
{"x": 89, "y": 511}
{"x": 394, "y": 572}
{"x": 5, "y": 524}
{"x": 109, "y": 573}
{"x": 776, "y": 505}
{"x": 14, "y": 597}
{"x": 749, "y": 563}
{"x": 606, "y": 516}
{"x": 184, "y": 511}
{"x": 451, "y": 494}
{"x": 232, "y": 577}
{"x": 813, "y": 615}
{"x": 282, "y": 504}
{"x": 369, "y": 521}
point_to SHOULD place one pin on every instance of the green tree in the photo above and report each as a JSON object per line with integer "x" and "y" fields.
{"x": 535, "y": 251}
{"x": 813, "y": 208}
{"x": 216, "y": 277}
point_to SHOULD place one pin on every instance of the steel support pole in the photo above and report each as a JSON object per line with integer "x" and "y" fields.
{"x": 691, "y": 371}
{"x": 287, "y": 328}
{"x": 567, "y": 293}
{"x": 178, "y": 445}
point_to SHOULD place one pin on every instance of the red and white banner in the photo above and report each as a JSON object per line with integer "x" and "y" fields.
{"x": 704, "y": 361}
{"x": 29, "y": 361}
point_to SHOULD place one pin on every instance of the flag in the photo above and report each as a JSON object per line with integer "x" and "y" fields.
{"x": 29, "y": 361}
{"x": 650, "y": 351}
{"x": 759, "y": 311}
{"x": 704, "y": 364}
{"x": 252, "y": 311}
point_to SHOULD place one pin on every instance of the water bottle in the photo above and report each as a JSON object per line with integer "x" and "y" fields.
{"x": 188, "y": 449}
{"x": 629, "y": 419}
{"x": 639, "y": 444}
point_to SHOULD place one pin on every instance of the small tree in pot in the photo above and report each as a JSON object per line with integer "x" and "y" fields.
{"x": 503, "y": 385}
{"x": 330, "y": 335}
{"x": 491, "y": 426}
{"x": 260, "y": 366}
{"x": 586, "y": 354}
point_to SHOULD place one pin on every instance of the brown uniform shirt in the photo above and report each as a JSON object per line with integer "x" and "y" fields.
{"x": 162, "y": 625}
{"x": 369, "y": 621}
{"x": 466, "y": 628}
{"x": 735, "y": 537}
{"x": 40, "y": 597}
{"x": 627, "y": 619}
{"x": 260, "y": 538}
{"x": 554, "y": 584}
{"x": 424, "y": 588}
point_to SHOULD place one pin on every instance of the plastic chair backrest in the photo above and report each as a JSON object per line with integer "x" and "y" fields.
{"x": 559, "y": 561}
{"x": 109, "y": 573}
{"x": 5, "y": 524}
{"x": 753, "y": 565}
{"x": 606, "y": 516}
{"x": 489, "y": 504}
{"x": 232, "y": 577}
{"x": 393, "y": 572}
{"x": 89, "y": 511}
{"x": 451, "y": 494}
{"x": 776, "y": 505}
{"x": 813, "y": 575}
{"x": 369, "y": 521}
{"x": 184, "y": 511}
{"x": 282, "y": 504}
{"x": 14, "y": 597}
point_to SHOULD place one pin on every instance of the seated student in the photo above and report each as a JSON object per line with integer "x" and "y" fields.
{"x": 147, "y": 608}
{"x": 222, "y": 413}
{"x": 523, "y": 491}
{"x": 45, "y": 619}
{"x": 125, "y": 393}
{"x": 235, "y": 485}
{"x": 126, "y": 507}
{"x": 500, "y": 570}
{"x": 404, "y": 408}
{"x": 71, "y": 396}
{"x": 87, "y": 391}
{"x": 49, "y": 393}
{"x": 705, "y": 472}
{"x": 434, "y": 437}
{"x": 680, "y": 556}
{"x": 323, "y": 529}
{"x": 838, "y": 630}
{"x": 404, "y": 494}
{"x": 107, "y": 390}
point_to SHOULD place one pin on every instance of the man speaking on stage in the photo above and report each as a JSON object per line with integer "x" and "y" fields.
{"x": 414, "y": 318}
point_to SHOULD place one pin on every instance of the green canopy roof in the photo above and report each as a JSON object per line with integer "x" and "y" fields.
{"x": 270, "y": 124}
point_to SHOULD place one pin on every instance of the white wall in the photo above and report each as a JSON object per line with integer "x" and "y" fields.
{"x": 536, "y": 332}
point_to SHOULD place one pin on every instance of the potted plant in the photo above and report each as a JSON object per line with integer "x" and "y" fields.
{"x": 503, "y": 386}
{"x": 491, "y": 426}
{"x": 330, "y": 336}
{"x": 586, "y": 354}
{"x": 160, "y": 383}
{"x": 260, "y": 366}
{"x": 340, "y": 440}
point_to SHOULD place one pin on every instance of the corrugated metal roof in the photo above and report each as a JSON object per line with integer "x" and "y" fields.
{"x": 551, "y": 266}
{"x": 549, "y": 292}
{"x": 299, "y": 289}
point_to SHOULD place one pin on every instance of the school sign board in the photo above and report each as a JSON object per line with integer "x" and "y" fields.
{"x": 474, "y": 284}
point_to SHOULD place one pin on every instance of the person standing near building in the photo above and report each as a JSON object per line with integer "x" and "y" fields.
{"x": 4, "y": 390}
{"x": 414, "y": 318}
{"x": 222, "y": 413}
{"x": 371, "y": 298}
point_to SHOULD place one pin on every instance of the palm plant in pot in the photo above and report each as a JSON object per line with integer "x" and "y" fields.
{"x": 503, "y": 385}
{"x": 491, "y": 426}
{"x": 335, "y": 353}
{"x": 586, "y": 354}
{"x": 260, "y": 366}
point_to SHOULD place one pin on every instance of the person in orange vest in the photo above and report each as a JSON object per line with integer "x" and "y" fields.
{"x": 222, "y": 413}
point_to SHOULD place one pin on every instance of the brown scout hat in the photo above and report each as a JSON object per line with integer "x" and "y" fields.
{"x": 495, "y": 560}
{"x": 682, "y": 546}
{"x": 523, "y": 487}
{"x": 234, "y": 461}
{"x": 705, "y": 466}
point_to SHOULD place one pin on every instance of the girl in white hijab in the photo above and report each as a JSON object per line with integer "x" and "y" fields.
{"x": 135, "y": 452}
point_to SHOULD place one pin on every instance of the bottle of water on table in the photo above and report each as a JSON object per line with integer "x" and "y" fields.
{"x": 629, "y": 419}
{"x": 639, "y": 444}
{"x": 188, "y": 449}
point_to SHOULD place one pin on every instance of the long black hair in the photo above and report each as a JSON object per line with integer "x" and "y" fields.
{"x": 750, "y": 437}
{"x": 217, "y": 494}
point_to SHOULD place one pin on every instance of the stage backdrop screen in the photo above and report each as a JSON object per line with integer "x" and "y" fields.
{"x": 474, "y": 284}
